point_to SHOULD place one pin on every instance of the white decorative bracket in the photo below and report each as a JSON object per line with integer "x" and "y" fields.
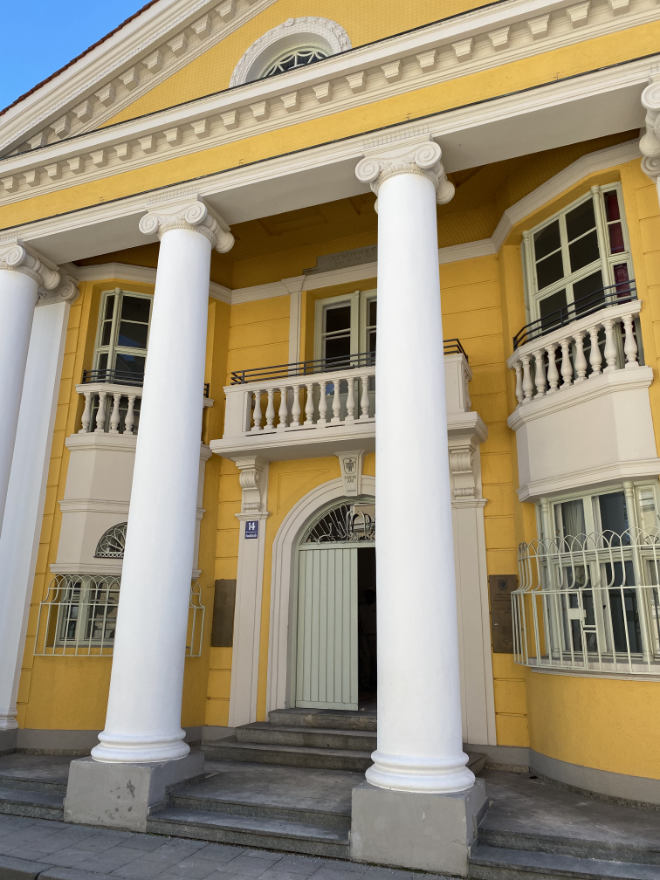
{"x": 253, "y": 477}
{"x": 351, "y": 472}
{"x": 649, "y": 144}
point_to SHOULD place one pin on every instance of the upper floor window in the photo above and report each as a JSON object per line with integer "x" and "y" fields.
{"x": 578, "y": 261}
{"x": 346, "y": 327}
{"x": 121, "y": 342}
{"x": 293, "y": 58}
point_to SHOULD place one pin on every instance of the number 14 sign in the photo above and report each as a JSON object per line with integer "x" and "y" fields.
{"x": 252, "y": 528}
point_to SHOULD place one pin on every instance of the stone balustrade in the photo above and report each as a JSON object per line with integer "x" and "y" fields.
{"x": 109, "y": 408}
{"x": 579, "y": 352}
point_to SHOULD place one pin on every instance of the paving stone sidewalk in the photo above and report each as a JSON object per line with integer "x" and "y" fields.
{"x": 38, "y": 848}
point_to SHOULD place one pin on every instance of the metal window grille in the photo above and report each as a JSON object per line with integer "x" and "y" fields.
{"x": 291, "y": 60}
{"x": 348, "y": 522}
{"x": 589, "y": 602}
{"x": 79, "y": 614}
{"x": 112, "y": 542}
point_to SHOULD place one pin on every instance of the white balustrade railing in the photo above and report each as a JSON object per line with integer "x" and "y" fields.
{"x": 579, "y": 352}
{"x": 110, "y": 409}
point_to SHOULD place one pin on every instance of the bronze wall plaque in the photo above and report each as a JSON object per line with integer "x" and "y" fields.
{"x": 500, "y": 587}
{"x": 222, "y": 632}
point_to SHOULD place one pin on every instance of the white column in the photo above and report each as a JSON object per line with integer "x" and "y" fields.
{"x": 23, "y": 275}
{"x": 419, "y": 710}
{"x": 143, "y": 721}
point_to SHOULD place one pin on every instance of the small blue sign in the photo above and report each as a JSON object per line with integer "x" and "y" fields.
{"x": 252, "y": 528}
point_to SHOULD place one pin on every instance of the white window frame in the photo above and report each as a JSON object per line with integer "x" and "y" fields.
{"x": 112, "y": 349}
{"x": 605, "y": 261}
{"x": 359, "y": 301}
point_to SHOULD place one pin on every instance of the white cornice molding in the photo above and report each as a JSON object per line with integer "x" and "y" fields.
{"x": 424, "y": 57}
{"x": 156, "y": 44}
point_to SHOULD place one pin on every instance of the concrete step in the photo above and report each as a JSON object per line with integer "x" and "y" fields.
{"x": 36, "y": 802}
{"x": 621, "y": 850}
{"x": 294, "y": 756}
{"x": 500, "y": 863}
{"x": 263, "y": 832}
{"x": 32, "y": 784}
{"x": 319, "y": 738}
{"x": 324, "y": 718}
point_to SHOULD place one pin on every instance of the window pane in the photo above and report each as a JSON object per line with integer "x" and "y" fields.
{"x": 109, "y": 307}
{"x": 549, "y": 270}
{"x": 588, "y": 293}
{"x": 337, "y": 347}
{"x": 584, "y": 251}
{"x": 615, "y": 231}
{"x": 572, "y": 518}
{"x": 135, "y": 308}
{"x": 611, "y": 199}
{"x": 371, "y": 312}
{"x": 648, "y": 517}
{"x": 102, "y": 363}
{"x": 622, "y": 279}
{"x": 580, "y": 219}
{"x": 129, "y": 368}
{"x": 553, "y": 310}
{"x": 546, "y": 240}
{"x": 105, "y": 332}
{"x": 133, "y": 335}
{"x": 337, "y": 318}
{"x": 371, "y": 341}
{"x": 613, "y": 512}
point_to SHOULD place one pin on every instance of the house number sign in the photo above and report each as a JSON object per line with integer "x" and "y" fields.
{"x": 252, "y": 528}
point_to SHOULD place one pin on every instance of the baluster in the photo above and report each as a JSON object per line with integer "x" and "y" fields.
{"x": 295, "y": 411}
{"x": 114, "y": 416}
{"x": 336, "y": 403}
{"x": 364, "y": 398}
{"x": 566, "y": 365}
{"x": 629, "y": 345}
{"x": 309, "y": 404}
{"x": 553, "y": 372}
{"x": 270, "y": 410}
{"x": 527, "y": 384}
{"x": 539, "y": 372}
{"x": 283, "y": 414}
{"x": 595, "y": 358}
{"x": 350, "y": 401}
{"x": 519, "y": 391}
{"x": 100, "y": 414}
{"x": 580, "y": 359}
{"x": 610, "y": 346}
{"x": 256, "y": 412}
{"x": 87, "y": 413}
{"x": 129, "y": 421}
{"x": 323, "y": 406}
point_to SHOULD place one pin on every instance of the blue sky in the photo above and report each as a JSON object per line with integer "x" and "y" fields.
{"x": 41, "y": 36}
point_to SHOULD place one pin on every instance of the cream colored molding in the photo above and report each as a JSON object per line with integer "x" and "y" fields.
{"x": 94, "y": 505}
{"x": 417, "y": 155}
{"x": 190, "y": 214}
{"x": 101, "y": 567}
{"x": 53, "y": 285}
{"x": 649, "y": 144}
{"x": 143, "y": 53}
{"x": 291, "y": 33}
{"x": 607, "y": 474}
{"x": 308, "y": 93}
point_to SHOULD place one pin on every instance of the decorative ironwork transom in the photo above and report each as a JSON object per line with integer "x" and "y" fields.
{"x": 348, "y": 522}
{"x": 112, "y": 543}
{"x": 293, "y": 59}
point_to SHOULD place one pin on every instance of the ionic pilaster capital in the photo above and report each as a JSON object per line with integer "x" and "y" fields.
{"x": 420, "y": 155}
{"x": 18, "y": 257}
{"x": 192, "y": 214}
{"x": 650, "y": 141}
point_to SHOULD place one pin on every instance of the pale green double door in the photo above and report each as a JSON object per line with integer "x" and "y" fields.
{"x": 327, "y": 627}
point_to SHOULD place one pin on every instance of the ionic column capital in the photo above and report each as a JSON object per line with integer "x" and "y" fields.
{"x": 192, "y": 214}
{"x": 650, "y": 140}
{"x": 420, "y": 155}
{"x": 18, "y": 257}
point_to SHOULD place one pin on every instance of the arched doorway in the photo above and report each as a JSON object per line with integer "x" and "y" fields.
{"x": 334, "y": 613}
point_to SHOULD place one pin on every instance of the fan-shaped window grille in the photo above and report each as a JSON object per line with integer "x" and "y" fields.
{"x": 352, "y": 522}
{"x": 294, "y": 59}
{"x": 111, "y": 545}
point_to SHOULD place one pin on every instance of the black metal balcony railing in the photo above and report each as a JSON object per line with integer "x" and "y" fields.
{"x": 614, "y": 295}
{"x": 120, "y": 377}
{"x": 322, "y": 365}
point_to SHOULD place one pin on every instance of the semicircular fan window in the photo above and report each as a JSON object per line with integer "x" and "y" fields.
{"x": 346, "y": 523}
{"x": 294, "y": 58}
{"x": 111, "y": 545}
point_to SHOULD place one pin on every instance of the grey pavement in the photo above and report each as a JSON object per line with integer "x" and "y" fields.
{"x": 48, "y": 850}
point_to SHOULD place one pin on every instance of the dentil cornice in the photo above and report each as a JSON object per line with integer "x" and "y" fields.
{"x": 419, "y": 155}
{"x": 52, "y": 284}
{"x": 192, "y": 214}
{"x": 650, "y": 140}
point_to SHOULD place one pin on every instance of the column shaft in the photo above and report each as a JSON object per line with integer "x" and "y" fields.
{"x": 144, "y": 707}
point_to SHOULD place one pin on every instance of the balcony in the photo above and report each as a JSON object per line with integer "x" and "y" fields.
{"x": 583, "y": 414}
{"x": 317, "y": 407}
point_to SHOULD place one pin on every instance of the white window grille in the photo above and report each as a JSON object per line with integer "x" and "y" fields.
{"x": 292, "y": 59}
{"x": 79, "y": 614}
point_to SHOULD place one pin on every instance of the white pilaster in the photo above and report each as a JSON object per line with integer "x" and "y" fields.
{"x": 19, "y": 540}
{"x": 143, "y": 722}
{"x": 650, "y": 140}
{"x": 253, "y": 475}
{"x": 23, "y": 275}
{"x": 419, "y": 709}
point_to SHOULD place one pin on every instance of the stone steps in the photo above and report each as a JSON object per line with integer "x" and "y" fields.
{"x": 508, "y": 863}
{"x": 231, "y": 749}
{"x": 307, "y": 737}
{"x": 38, "y": 801}
{"x": 323, "y": 718}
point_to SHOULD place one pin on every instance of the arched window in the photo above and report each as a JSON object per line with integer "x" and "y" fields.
{"x": 350, "y": 521}
{"x": 111, "y": 545}
{"x": 295, "y": 43}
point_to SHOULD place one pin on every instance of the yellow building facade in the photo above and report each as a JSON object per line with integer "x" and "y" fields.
{"x": 520, "y": 484}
